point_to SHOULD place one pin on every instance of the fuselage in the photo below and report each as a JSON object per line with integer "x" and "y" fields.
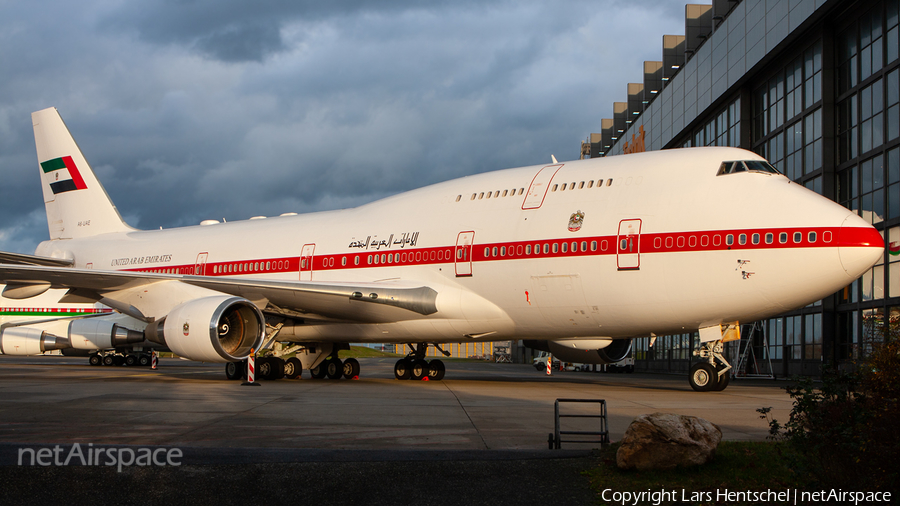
{"x": 609, "y": 248}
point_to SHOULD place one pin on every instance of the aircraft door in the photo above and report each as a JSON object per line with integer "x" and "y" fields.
{"x": 539, "y": 185}
{"x": 464, "y": 243}
{"x": 306, "y": 262}
{"x": 200, "y": 264}
{"x": 628, "y": 245}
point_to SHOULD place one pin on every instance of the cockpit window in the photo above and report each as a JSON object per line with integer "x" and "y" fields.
{"x": 747, "y": 166}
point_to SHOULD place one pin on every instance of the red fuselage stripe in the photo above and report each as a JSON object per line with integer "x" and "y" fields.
{"x": 746, "y": 239}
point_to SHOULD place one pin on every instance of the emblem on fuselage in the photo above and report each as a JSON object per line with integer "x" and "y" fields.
{"x": 186, "y": 328}
{"x": 575, "y": 221}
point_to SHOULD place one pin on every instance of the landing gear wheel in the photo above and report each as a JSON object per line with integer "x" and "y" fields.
{"x": 95, "y": 359}
{"x": 293, "y": 368}
{"x": 351, "y": 368}
{"x": 144, "y": 360}
{"x": 234, "y": 370}
{"x": 724, "y": 380}
{"x": 109, "y": 360}
{"x": 419, "y": 370}
{"x": 436, "y": 370}
{"x": 318, "y": 372}
{"x": 270, "y": 368}
{"x": 402, "y": 369}
{"x": 131, "y": 360}
{"x": 703, "y": 377}
{"x": 334, "y": 368}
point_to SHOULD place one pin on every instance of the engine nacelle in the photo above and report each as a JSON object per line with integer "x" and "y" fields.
{"x": 211, "y": 329}
{"x": 585, "y": 351}
{"x": 100, "y": 334}
{"x": 29, "y": 341}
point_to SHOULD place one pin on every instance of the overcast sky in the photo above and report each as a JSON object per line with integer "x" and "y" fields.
{"x": 198, "y": 109}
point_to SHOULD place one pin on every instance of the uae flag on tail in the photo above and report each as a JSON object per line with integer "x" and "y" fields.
{"x": 64, "y": 175}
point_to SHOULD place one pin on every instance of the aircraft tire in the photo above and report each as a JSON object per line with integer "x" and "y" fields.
{"x": 233, "y": 370}
{"x": 351, "y": 368}
{"x": 95, "y": 359}
{"x": 318, "y": 372}
{"x": 144, "y": 360}
{"x": 419, "y": 370}
{"x": 264, "y": 368}
{"x": 293, "y": 368}
{"x": 277, "y": 367}
{"x": 723, "y": 382}
{"x": 131, "y": 359}
{"x": 436, "y": 370}
{"x": 109, "y": 360}
{"x": 703, "y": 377}
{"x": 402, "y": 369}
{"x": 334, "y": 368}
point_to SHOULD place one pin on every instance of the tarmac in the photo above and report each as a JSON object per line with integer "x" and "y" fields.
{"x": 481, "y": 433}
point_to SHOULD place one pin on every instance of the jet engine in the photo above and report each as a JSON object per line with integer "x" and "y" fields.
{"x": 81, "y": 334}
{"x": 210, "y": 329}
{"x": 585, "y": 351}
{"x": 29, "y": 341}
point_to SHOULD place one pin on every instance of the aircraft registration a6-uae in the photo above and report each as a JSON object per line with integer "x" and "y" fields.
{"x": 576, "y": 258}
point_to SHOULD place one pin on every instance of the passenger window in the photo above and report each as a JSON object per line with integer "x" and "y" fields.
{"x": 473, "y": 197}
{"x": 563, "y": 187}
{"x": 812, "y": 237}
{"x": 583, "y": 245}
{"x": 546, "y": 248}
{"x": 458, "y": 198}
{"x": 797, "y": 237}
{"x": 755, "y": 238}
{"x": 565, "y": 247}
{"x": 593, "y": 245}
{"x": 729, "y": 239}
{"x": 609, "y": 182}
{"x": 376, "y": 259}
{"x": 591, "y": 183}
{"x": 489, "y": 194}
{"x": 527, "y": 249}
{"x": 355, "y": 261}
{"x": 782, "y": 237}
{"x": 554, "y": 187}
{"x": 494, "y": 251}
{"x": 480, "y": 195}
{"x": 521, "y": 190}
{"x": 505, "y": 192}
{"x": 487, "y": 252}
{"x": 742, "y": 239}
{"x": 581, "y": 185}
{"x": 556, "y": 247}
{"x": 770, "y": 238}
{"x": 382, "y": 258}
{"x": 717, "y": 240}
{"x": 503, "y": 251}
{"x": 343, "y": 261}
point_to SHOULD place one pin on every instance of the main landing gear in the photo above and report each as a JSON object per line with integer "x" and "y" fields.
{"x": 415, "y": 367}
{"x": 712, "y": 373}
{"x": 275, "y": 368}
{"x": 130, "y": 359}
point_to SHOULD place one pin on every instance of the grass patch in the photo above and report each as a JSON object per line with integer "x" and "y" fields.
{"x": 366, "y": 352}
{"x": 739, "y": 466}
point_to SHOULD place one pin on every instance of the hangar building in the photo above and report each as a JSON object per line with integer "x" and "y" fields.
{"x": 813, "y": 86}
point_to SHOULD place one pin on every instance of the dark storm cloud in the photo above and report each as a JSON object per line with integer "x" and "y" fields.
{"x": 196, "y": 110}
{"x": 239, "y": 31}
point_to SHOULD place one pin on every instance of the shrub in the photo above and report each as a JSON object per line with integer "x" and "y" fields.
{"x": 845, "y": 429}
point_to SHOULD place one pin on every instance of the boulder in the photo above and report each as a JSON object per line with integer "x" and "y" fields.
{"x": 667, "y": 441}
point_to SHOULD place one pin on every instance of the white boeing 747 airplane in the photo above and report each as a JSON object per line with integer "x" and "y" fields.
{"x": 577, "y": 258}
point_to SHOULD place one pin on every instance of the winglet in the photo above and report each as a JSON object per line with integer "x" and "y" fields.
{"x": 76, "y": 203}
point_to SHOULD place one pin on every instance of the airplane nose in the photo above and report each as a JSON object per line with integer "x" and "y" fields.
{"x": 859, "y": 245}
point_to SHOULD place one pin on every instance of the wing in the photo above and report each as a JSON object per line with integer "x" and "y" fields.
{"x": 138, "y": 293}
{"x": 22, "y": 259}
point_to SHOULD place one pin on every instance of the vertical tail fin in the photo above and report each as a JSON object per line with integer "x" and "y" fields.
{"x": 77, "y": 205}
